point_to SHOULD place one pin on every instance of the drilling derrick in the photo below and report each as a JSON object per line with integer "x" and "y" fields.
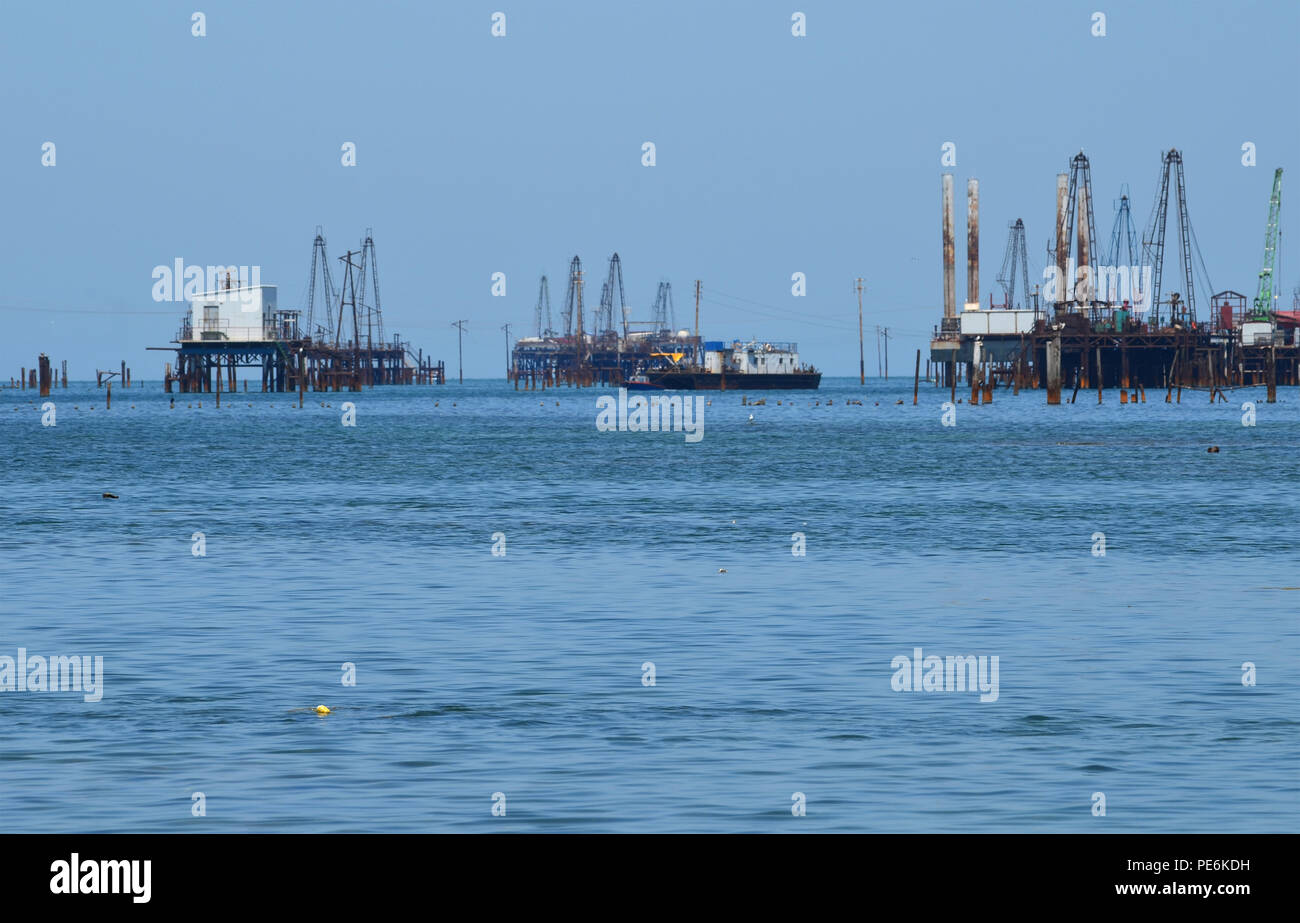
{"x": 1124, "y": 252}
{"x": 1079, "y": 200}
{"x": 664, "y": 317}
{"x": 606, "y": 316}
{"x": 374, "y": 317}
{"x": 1123, "y": 236}
{"x": 543, "y": 310}
{"x": 573, "y": 300}
{"x": 1015, "y": 259}
{"x": 1183, "y": 307}
{"x": 320, "y": 268}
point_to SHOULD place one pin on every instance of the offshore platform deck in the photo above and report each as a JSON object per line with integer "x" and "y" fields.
{"x": 238, "y": 324}
{"x": 614, "y": 352}
{"x": 1108, "y": 326}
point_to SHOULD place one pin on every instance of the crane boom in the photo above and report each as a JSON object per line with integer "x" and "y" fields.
{"x": 1264, "y": 294}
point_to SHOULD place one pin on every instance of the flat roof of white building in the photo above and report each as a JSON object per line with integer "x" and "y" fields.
{"x": 234, "y": 287}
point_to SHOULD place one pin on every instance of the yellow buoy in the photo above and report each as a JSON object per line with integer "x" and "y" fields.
{"x": 322, "y": 710}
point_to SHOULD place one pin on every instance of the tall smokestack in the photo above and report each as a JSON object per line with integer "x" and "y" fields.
{"x": 1084, "y": 291}
{"x": 949, "y": 252}
{"x": 1062, "y": 245}
{"x": 972, "y": 242}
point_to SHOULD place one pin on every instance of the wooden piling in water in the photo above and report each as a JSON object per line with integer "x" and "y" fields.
{"x": 916, "y": 379}
{"x": 1054, "y": 370}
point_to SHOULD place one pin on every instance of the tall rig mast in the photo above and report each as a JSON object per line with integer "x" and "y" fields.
{"x": 1124, "y": 250}
{"x": 573, "y": 300}
{"x": 374, "y": 314}
{"x": 1080, "y": 195}
{"x": 606, "y": 319}
{"x": 1015, "y": 259}
{"x": 544, "y": 309}
{"x": 1153, "y": 239}
{"x": 665, "y": 318}
{"x": 320, "y": 268}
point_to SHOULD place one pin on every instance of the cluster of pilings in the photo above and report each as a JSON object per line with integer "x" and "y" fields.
{"x": 533, "y": 379}
{"x": 42, "y": 376}
{"x": 105, "y": 376}
{"x": 595, "y": 360}
{"x": 1131, "y": 362}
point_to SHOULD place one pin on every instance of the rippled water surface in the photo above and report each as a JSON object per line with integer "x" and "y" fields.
{"x": 523, "y": 674}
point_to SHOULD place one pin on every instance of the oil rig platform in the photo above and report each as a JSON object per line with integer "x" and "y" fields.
{"x": 239, "y": 325}
{"x": 1105, "y": 321}
{"x": 614, "y": 351}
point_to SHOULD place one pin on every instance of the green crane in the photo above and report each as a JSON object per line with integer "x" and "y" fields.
{"x": 1264, "y": 295}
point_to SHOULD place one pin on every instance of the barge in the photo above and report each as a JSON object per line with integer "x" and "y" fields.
{"x": 752, "y": 365}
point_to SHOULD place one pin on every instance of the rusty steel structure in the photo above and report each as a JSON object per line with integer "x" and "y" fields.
{"x": 348, "y": 351}
{"x": 616, "y": 349}
{"x": 949, "y": 252}
{"x": 1086, "y": 337}
{"x": 972, "y": 241}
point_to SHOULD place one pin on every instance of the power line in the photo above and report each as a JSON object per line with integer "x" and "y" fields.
{"x": 111, "y": 312}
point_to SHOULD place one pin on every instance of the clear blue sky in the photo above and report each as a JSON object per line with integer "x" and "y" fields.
{"x": 477, "y": 154}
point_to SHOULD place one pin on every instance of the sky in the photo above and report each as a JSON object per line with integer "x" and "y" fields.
{"x": 478, "y": 154}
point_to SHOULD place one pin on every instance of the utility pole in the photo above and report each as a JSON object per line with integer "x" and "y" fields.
{"x": 862, "y": 363}
{"x": 506, "y": 328}
{"x": 878, "y": 371}
{"x": 460, "y": 351}
{"x": 697, "y": 322}
{"x": 886, "y": 354}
